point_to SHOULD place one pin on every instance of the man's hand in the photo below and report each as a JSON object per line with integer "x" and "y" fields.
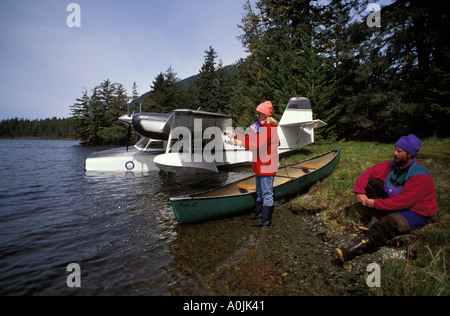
{"x": 370, "y": 203}
{"x": 364, "y": 200}
{"x": 361, "y": 198}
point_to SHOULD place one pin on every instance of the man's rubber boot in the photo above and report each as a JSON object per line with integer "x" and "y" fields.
{"x": 360, "y": 247}
{"x": 266, "y": 220}
{"x": 373, "y": 220}
{"x": 258, "y": 211}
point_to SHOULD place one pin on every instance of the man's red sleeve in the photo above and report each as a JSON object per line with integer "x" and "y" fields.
{"x": 379, "y": 171}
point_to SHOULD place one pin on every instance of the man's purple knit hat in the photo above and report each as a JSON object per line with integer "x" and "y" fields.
{"x": 410, "y": 144}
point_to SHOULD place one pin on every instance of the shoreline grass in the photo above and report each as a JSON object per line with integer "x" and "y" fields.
{"x": 425, "y": 272}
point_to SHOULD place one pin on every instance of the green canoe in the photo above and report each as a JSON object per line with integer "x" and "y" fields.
{"x": 240, "y": 196}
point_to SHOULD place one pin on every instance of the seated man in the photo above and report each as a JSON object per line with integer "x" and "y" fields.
{"x": 400, "y": 196}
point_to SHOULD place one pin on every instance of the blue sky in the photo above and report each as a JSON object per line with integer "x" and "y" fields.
{"x": 45, "y": 65}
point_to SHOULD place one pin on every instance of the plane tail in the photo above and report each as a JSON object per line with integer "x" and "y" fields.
{"x": 296, "y": 127}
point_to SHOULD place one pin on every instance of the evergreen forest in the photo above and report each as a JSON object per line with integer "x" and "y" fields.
{"x": 50, "y": 128}
{"x": 371, "y": 75}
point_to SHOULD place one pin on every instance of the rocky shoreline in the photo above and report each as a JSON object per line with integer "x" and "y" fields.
{"x": 296, "y": 257}
{"x": 293, "y": 257}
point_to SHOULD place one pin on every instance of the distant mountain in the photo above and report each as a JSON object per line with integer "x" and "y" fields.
{"x": 190, "y": 81}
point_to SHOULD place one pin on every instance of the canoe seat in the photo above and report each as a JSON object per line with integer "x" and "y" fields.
{"x": 307, "y": 166}
{"x": 286, "y": 181}
{"x": 246, "y": 187}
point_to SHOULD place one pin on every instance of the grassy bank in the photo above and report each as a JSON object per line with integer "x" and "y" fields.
{"x": 425, "y": 271}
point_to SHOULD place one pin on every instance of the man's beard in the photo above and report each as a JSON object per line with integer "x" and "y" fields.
{"x": 401, "y": 162}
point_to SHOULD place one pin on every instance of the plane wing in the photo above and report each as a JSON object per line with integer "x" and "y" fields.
{"x": 186, "y": 118}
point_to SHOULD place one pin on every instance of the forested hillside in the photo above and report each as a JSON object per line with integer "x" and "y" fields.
{"x": 366, "y": 82}
{"x": 368, "y": 79}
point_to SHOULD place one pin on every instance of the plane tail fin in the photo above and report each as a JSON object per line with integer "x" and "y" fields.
{"x": 296, "y": 127}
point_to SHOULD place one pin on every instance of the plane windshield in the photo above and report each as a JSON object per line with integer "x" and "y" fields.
{"x": 147, "y": 144}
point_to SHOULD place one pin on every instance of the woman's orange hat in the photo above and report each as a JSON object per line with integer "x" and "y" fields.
{"x": 265, "y": 108}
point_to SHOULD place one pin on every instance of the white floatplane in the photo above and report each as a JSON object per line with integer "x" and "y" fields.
{"x": 195, "y": 141}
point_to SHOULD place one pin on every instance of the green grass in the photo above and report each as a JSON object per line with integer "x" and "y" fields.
{"x": 425, "y": 273}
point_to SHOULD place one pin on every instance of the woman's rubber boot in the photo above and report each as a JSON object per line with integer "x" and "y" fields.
{"x": 360, "y": 247}
{"x": 258, "y": 211}
{"x": 266, "y": 220}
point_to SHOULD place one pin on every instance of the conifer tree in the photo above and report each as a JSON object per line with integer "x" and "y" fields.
{"x": 135, "y": 104}
{"x": 165, "y": 95}
{"x": 207, "y": 82}
{"x": 225, "y": 81}
{"x": 83, "y": 116}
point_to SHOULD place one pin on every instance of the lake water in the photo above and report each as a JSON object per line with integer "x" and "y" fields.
{"x": 118, "y": 227}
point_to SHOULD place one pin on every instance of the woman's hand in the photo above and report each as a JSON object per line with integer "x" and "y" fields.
{"x": 237, "y": 142}
{"x": 231, "y": 135}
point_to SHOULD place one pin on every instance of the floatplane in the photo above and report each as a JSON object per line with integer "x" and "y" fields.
{"x": 196, "y": 141}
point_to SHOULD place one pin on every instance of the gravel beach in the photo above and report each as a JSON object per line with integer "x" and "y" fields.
{"x": 295, "y": 257}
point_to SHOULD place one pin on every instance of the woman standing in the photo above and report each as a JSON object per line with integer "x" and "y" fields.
{"x": 263, "y": 142}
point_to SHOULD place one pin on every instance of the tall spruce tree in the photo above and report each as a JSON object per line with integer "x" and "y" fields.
{"x": 207, "y": 82}
{"x": 82, "y": 114}
{"x": 224, "y": 89}
{"x": 165, "y": 95}
{"x": 135, "y": 104}
{"x": 286, "y": 54}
